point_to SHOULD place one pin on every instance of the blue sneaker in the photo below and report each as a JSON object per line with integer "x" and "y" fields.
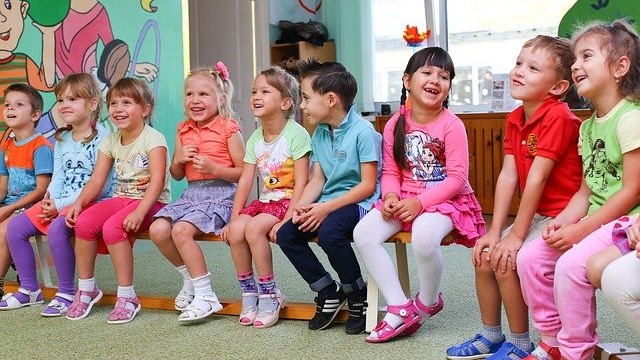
{"x": 467, "y": 350}
{"x": 509, "y": 351}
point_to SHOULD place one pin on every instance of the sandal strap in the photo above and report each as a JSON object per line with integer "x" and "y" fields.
{"x": 64, "y": 296}
{"x": 406, "y": 311}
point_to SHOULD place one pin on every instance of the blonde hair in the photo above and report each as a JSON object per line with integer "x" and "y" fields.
{"x": 135, "y": 89}
{"x": 82, "y": 86}
{"x": 618, "y": 39}
{"x": 286, "y": 84}
{"x": 223, "y": 86}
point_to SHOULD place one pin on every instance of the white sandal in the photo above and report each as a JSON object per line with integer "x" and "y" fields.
{"x": 249, "y": 312}
{"x": 57, "y": 308}
{"x": 10, "y": 302}
{"x": 194, "y": 313}
{"x": 183, "y": 300}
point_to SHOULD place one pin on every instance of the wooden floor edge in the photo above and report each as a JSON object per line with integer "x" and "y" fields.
{"x": 292, "y": 310}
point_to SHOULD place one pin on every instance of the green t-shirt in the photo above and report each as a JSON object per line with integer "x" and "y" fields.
{"x": 603, "y": 141}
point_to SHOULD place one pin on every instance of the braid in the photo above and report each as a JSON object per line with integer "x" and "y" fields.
{"x": 399, "y": 133}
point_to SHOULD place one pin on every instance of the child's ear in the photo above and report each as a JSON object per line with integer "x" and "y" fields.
{"x": 146, "y": 109}
{"x": 560, "y": 87}
{"x": 93, "y": 104}
{"x": 333, "y": 99}
{"x": 35, "y": 116}
{"x": 621, "y": 67}
{"x": 287, "y": 103}
{"x": 405, "y": 80}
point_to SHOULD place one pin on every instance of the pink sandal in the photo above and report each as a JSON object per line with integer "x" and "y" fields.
{"x": 429, "y": 311}
{"x": 410, "y": 323}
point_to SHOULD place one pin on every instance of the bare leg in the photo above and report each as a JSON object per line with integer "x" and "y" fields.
{"x": 160, "y": 234}
{"x": 598, "y": 262}
{"x": 183, "y": 234}
{"x": 86, "y": 251}
{"x": 256, "y": 232}
{"x": 514, "y": 305}
{"x": 240, "y": 250}
{"x": 122, "y": 259}
{"x": 488, "y": 294}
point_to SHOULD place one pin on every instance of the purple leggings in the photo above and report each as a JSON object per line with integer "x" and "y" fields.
{"x": 19, "y": 231}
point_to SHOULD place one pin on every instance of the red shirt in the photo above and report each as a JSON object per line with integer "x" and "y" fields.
{"x": 552, "y": 132}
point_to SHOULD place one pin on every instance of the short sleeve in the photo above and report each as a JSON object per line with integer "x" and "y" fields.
{"x": 299, "y": 141}
{"x": 230, "y": 127}
{"x": 154, "y": 139}
{"x": 628, "y": 131}
{"x": 250, "y": 151}
{"x": 369, "y": 146}
{"x": 3, "y": 166}
{"x": 106, "y": 146}
{"x": 43, "y": 160}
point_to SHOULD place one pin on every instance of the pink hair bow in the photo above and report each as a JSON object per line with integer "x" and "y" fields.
{"x": 222, "y": 69}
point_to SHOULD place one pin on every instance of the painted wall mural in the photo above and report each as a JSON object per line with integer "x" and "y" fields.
{"x": 585, "y": 11}
{"x": 42, "y": 41}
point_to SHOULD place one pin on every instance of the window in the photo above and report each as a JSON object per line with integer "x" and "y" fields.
{"x": 484, "y": 39}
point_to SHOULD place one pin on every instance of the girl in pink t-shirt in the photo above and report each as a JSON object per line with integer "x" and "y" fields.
{"x": 209, "y": 152}
{"x": 425, "y": 189}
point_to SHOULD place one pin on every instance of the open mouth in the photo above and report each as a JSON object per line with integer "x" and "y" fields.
{"x": 5, "y": 35}
{"x": 580, "y": 78}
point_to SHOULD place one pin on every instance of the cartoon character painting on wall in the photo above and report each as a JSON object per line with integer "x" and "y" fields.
{"x": 72, "y": 31}
{"x": 19, "y": 67}
{"x": 426, "y": 157}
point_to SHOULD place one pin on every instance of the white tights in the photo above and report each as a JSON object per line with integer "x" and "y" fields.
{"x": 621, "y": 287}
{"x": 428, "y": 231}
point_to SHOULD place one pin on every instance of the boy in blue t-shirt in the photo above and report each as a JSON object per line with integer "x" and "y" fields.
{"x": 346, "y": 164}
{"x": 27, "y": 162}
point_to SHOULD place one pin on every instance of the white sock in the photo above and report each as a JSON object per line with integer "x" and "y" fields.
{"x": 187, "y": 285}
{"x": 202, "y": 288}
{"x": 87, "y": 284}
{"x": 126, "y": 291}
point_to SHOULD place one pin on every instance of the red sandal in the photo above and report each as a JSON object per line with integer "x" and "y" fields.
{"x": 410, "y": 321}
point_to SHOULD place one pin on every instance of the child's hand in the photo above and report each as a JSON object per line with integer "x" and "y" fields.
{"x": 133, "y": 221}
{"x": 5, "y": 212}
{"x": 224, "y": 235}
{"x": 49, "y": 211}
{"x": 273, "y": 234}
{"x": 551, "y": 228}
{"x": 503, "y": 254}
{"x": 408, "y": 209}
{"x": 487, "y": 241}
{"x": 564, "y": 238}
{"x": 389, "y": 207}
{"x": 72, "y": 215}
{"x": 638, "y": 250}
{"x": 204, "y": 165}
{"x": 187, "y": 154}
{"x": 296, "y": 218}
{"x": 313, "y": 216}
{"x": 633, "y": 235}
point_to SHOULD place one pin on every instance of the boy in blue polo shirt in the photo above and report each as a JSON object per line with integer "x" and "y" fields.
{"x": 346, "y": 164}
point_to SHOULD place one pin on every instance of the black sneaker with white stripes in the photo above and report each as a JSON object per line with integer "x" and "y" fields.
{"x": 327, "y": 308}
{"x": 357, "y": 320}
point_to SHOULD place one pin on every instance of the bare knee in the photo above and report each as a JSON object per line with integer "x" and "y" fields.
{"x": 160, "y": 231}
{"x": 595, "y": 268}
{"x": 183, "y": 233}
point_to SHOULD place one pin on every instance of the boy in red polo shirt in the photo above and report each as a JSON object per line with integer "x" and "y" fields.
{"x": 541, "y": 157}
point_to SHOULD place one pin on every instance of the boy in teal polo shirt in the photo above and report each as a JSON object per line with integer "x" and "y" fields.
{"x": 346, "y": 161}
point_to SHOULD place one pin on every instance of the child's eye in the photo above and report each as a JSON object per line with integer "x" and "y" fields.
{"x": 518, "y": 63}
{"x": 533, "y": 68}
{"x": 7, "y": 4}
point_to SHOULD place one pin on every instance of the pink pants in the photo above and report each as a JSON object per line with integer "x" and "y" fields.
{"x": 104, "y": 220}
{"x": 560, "y": 297}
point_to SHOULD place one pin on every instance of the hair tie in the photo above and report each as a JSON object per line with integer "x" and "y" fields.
{"x": 69, "y": 127}
{"x": 222, "y": 70}
{"x": 403, "y": 109}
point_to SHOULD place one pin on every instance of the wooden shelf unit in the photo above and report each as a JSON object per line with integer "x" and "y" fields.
{"x": 303, "y": 50}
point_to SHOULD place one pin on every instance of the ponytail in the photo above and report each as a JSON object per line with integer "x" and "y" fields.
{"x": 69, "y": 127}
{"x": 399, "y": 133}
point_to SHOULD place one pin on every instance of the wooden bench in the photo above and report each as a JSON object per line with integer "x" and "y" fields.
{"x": 301, "y": 311}
{"x": 616, "y": 351}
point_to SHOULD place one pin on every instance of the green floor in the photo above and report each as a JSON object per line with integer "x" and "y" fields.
{"x": 157, "y": 334}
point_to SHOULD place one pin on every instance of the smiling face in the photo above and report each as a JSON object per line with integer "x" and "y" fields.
{"x": 266, "y": 101}
{"x": 591, "y": 73}
{"x": 18, "y": 112}
{"x": 126, "y": 114}
{"x": 75, "y": 110}
{"x": 201, "y": 99}
{"x": 533, "y": 76}
{"x": 12, "y": 15}
{"x": 428, "y": 87}
{"x": 315, "y": 107}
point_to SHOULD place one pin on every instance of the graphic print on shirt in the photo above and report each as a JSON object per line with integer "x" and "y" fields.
{"x": 79, "y": 166}
{"x": 600, "y": 165}
{"x": 426, "y": 157}
{"x": 132, "y": 175}
{"x": 275, "y": 165}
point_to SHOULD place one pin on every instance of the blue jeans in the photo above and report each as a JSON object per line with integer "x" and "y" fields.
{"x": 334, "y": 238}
